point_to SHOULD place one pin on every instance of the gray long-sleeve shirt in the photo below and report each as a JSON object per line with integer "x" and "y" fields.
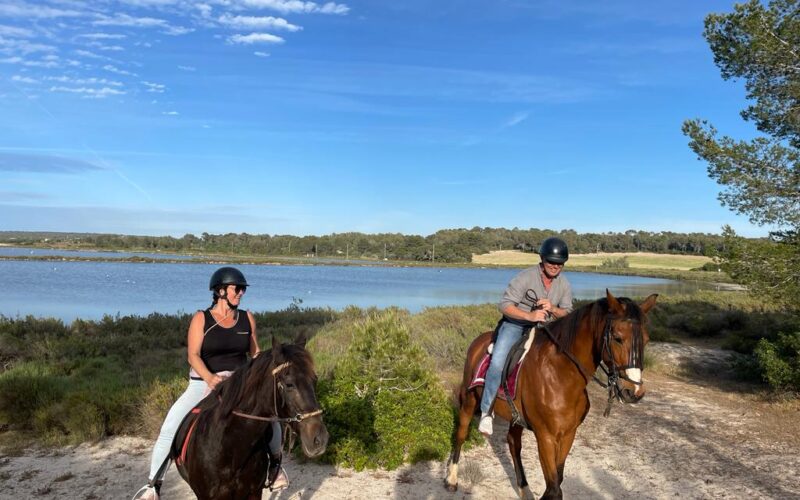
{"x": 560, "y": 293}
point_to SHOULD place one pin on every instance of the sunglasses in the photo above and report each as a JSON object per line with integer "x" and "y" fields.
{"x": 239, "y": 289}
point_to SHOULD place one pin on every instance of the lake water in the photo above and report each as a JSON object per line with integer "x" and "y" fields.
{"x": 89, "y": 290}
{"x": 44, "y": 252}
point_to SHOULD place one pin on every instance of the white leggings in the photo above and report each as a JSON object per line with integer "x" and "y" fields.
{"x": 193, "y": 394}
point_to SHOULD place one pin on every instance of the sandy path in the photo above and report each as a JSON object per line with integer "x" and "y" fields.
{"x": 682, "y": 440}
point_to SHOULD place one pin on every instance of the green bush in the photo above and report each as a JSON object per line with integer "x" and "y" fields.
{"x": 779, "y": 362}
{"x": 618, "y": 263}
{"x": 25, "y": 389}
{"x": 384, "y": 405}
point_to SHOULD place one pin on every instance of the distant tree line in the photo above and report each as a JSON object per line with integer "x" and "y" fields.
{"x": 447, "y": 245}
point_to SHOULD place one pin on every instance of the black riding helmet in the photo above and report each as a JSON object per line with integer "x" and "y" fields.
{"x": 554, "y": 250}
{"x": 226, "y": 276}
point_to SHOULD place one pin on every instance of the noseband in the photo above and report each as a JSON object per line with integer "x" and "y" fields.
{"x": 297, "y": 418}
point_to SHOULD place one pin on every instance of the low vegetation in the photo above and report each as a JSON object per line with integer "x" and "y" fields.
{"x": 386, "y": 376}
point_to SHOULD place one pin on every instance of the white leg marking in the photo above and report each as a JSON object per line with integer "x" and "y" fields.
{"x": 452, "y": 474}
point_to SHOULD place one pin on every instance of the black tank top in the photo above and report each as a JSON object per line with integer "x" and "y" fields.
{"x": 225, "y": 349}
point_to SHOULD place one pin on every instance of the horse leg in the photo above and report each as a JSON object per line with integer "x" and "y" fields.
{"x": 548, "y": 458}
{"x": 514, "y": 439}
{"x": 469, "y": 401}
{"x": 563, "y": 450}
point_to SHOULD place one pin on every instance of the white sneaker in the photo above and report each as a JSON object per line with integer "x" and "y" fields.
{"x": 485, "y": 425}
{"x": 146, "y": 493}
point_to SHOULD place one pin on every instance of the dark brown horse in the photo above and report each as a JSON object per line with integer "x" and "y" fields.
{"x": 226, "y": 453}
{"x": 551, "y": 393}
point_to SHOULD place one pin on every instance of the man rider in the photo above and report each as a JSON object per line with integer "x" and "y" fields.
{"x": 537, "y": 294}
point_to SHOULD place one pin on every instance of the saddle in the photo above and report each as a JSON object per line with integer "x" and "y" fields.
{"x": 510, "y": 368}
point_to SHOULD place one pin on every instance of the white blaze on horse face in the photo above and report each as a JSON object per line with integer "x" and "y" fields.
{"x": 452, "y": 474}
{"x": 635, "y": 374}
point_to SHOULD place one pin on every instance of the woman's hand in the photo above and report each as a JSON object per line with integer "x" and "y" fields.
{"x": 213, "y": 381}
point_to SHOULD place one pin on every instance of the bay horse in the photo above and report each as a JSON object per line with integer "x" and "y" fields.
{"x": 551, "y": 397}
{"x": 221, "y": 448}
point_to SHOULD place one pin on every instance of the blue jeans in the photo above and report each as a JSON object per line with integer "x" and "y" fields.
{"x": 508, "y": 335}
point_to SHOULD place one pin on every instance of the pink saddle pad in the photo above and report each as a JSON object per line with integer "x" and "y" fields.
{"x": 478, "y": 379}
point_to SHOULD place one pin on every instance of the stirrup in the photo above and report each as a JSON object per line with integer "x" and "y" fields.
{"x": 144, "y": 493}
{"x": 281, "y": 481}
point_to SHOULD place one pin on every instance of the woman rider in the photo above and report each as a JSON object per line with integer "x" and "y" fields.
{"x": 552, "y": 298}
{"x": 219, "y": 340}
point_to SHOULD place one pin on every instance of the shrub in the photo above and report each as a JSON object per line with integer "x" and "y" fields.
{"x": 779, "y": 362}
{"x": 384, "y": 405}
{"x": 618, "y": 263}
{"x": 26, "y": 388}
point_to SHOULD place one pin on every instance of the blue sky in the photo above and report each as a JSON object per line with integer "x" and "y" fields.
{"x": 297, "y": 117}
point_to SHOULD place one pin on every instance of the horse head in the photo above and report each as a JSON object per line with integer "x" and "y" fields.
{"x": 295, "y": 381}
{"x": 621, "y": 344}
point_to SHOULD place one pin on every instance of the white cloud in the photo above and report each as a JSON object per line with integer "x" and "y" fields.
{"x": 103, "y": 36}
{"x": 114, "y": 69}
{"x": 170, "y": 113}
{"x": 178, "y": 30}
{"x": 130, "y": 21}
{"x": 253, "y": 22}
{"x": 23, "y": 46}
{"x": 83, "y": 81}
{"x": 27, "y": 11}
{"x": 205, "y": 9}
{"x": 187, "y": 68}
{"x": 23, "y": 79}
{"x": 91, "y": 55}
{"x": 255, "y": 38}
{"x": 154, "y": 87}
{"x": 107, "y": 48}
{"x": 516, "y": 119}
{"x": 11, "y": 60}
{"x": 261, "y": 54}
{"x": 88, "y": 91}
{"x": 296, "y": 6}
{"x": 13, "y": 31}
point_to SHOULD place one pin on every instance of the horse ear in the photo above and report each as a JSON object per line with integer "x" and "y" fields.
{"x": 301, "y": 340}
{"x": 276, "y": 347}
{"x": 648, "y": 303}
{"x": 613, "y": 304}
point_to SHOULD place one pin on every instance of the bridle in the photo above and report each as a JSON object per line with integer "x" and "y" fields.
{"x": 299, "y": 417}
{"x": 614, "y": 373}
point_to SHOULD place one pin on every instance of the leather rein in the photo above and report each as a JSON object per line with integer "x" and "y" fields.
{"x": 297, "y": 418}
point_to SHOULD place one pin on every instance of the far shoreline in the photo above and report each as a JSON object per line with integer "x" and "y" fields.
{"x": 716, "y": 278}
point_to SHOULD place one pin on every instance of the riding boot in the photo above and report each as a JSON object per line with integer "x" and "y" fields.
{"x": 274, "y": 468}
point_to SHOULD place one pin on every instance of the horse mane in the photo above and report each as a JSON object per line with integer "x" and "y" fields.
{"x": 246, "y": 385}
{"x": 566, "y": 328}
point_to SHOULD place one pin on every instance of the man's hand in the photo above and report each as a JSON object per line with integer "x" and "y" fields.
{"x": 544, "y": 304}
{"x": 538, "y": 316}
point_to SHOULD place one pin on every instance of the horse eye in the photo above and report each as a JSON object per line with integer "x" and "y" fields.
{"x": 618, "y": 340}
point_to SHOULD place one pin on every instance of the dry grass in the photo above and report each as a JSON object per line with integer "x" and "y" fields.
{"x": 636, "y": 260}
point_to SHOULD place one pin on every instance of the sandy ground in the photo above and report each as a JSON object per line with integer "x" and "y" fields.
{"x": 687, "y": 438}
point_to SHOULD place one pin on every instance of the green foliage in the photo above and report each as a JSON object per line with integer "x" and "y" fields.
{"x": 384, "y": 405}
{"x": 758, "y": 43}
{"x": 444, "y": 246}
{"x": 618, "y": 263}
{"x": 119, "y": 375}
{"x": 769, "y": 269}
{"x": 779, "y": 361}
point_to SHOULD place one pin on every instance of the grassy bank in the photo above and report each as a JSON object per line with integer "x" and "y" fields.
{"x": 72, "y": 383}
